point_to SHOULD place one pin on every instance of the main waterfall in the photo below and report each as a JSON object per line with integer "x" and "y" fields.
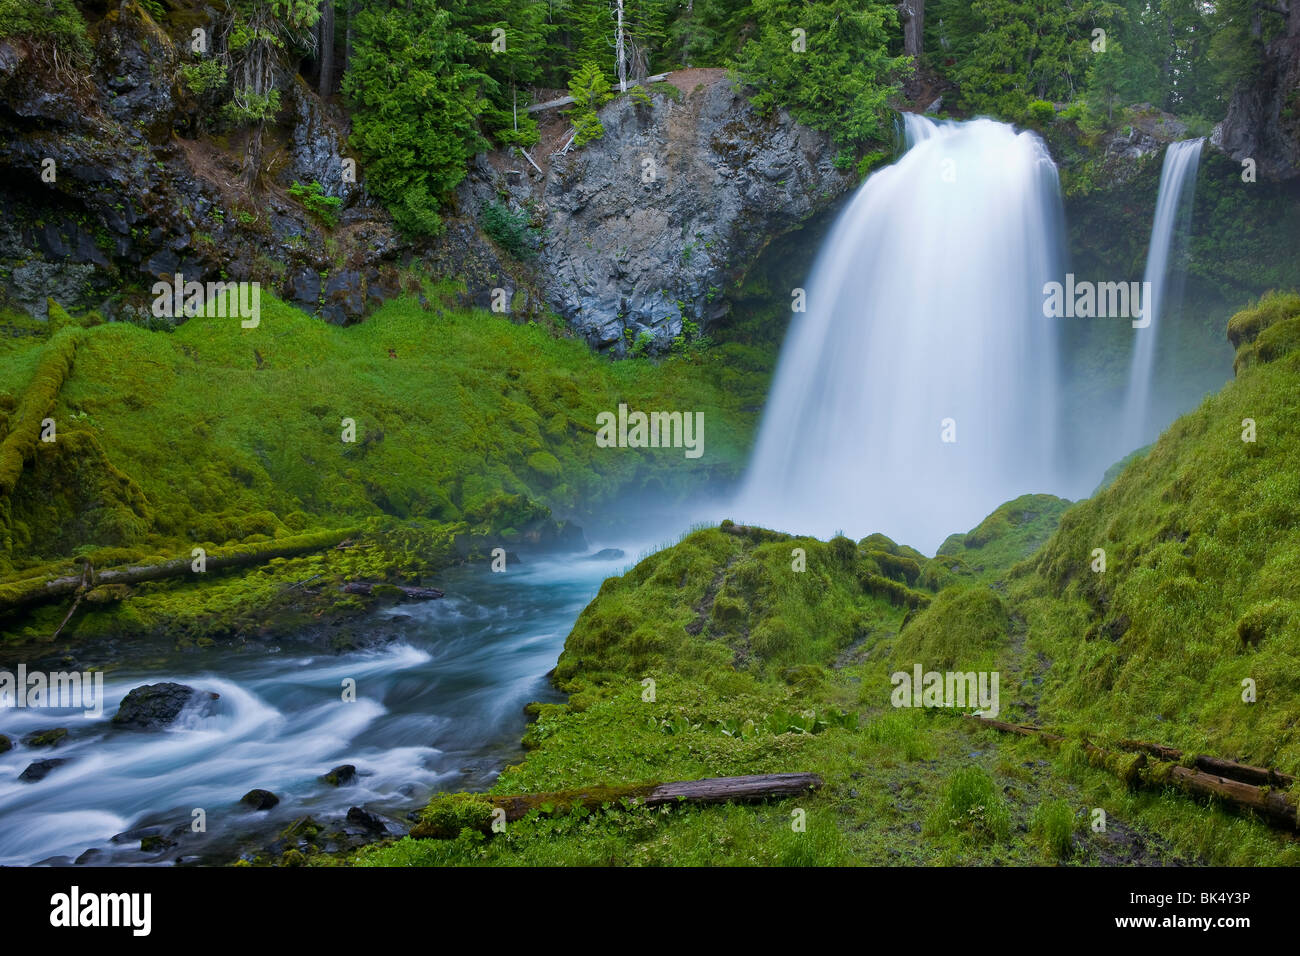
{"x": 924, "y": 323}
{"x": 1171, "y": 224}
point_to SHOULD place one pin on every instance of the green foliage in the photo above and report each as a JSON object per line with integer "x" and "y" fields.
{"x": 590, "y": 91}
{"x": 963, "y": 628}
{"x": 1200, "y": 585}
{"x": 1053, "y": 824}
{"x": 232, "y": 470}
{"x": 448, "y": 814}
{"x": 313, "y": 197}
{"x": 55, "y": 20}
{"x": 970, "y": 806}
{"x": 1005, "y": 53}
{"x": 508, "y": 229}
{"x": 841, "y": 83}
{"x": 204, "y": 76}
{"x": 416, "y": 104}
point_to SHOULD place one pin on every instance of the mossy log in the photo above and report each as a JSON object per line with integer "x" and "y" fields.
{"x": 36, "y": 590}
{"x": 1277, "y": 807}
{"x": 448, "y": 813}
{"x": 1246, "y": 773}
{"x": 52, "y": 371}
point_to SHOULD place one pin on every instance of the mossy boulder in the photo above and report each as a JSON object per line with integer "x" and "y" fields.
{"x": 46, "y": 738}
{"x": 964, "y": 626}
{"x": 449, "y": 813}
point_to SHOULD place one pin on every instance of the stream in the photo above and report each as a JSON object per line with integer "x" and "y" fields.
{"x": 440, "y": 708}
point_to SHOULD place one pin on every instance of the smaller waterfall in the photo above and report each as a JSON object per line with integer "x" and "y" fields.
{"x": 1171, "y": 226}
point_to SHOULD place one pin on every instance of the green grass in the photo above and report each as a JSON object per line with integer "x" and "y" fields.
{"x": 215, "y": 434}
{"x": 1202, "y": 583}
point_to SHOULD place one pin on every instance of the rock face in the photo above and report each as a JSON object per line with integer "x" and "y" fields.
{"x": 151, "y": 706}
{"x": 654, "y": 223}
{"x": 1263, "y": 121}
{"x": 110, "y": 181}
{"x": 649, "y": 225}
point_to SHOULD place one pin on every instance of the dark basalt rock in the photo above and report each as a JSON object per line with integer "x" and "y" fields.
{"x": 367, "y": 820}
{"x": 151, "y": 706}
{"x": 40, "y": 769}
{"x": 341, "y": 775}
{"x": 259, "y": 799}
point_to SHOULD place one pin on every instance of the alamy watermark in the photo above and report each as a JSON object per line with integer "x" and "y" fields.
{"x": 652, "y": 430}
{"x": 178, "y": 298}
{"x": 950, "y": 689}
{"x": 1098, "y": 300}
{"x": 60, "y": 689}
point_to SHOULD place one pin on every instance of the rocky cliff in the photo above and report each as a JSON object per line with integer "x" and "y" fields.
{"x": 1263, "y": 121}
{"x": 650, "y": 226}
{"x": 116, "y": 175}
{"x": 113, "y": 177}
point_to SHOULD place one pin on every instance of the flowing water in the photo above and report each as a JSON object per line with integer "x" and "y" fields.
{"x": 441, "y": 708}
{"x": 1169, "y": 230}
{"x": 919, "y": 389}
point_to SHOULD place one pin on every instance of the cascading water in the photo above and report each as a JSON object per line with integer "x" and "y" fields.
{"x": 926, "y": 305}
{"x": 1169, "y": 231}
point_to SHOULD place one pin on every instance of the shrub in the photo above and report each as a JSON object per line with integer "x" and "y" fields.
{"x": 970, "y": 804}
{"x": 313, "y": 197}
{"x": 507, "y": 229}
{"x": 1053, "y": 825}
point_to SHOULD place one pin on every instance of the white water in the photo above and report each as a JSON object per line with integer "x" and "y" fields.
{"x": 1169, "y": 229}
{"x": 442, "y": 708}
{"x": 925, "y": 304}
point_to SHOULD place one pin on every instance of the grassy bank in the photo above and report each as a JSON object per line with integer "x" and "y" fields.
{"x": 719, "y": 656}
{"x": 442, "y": 421}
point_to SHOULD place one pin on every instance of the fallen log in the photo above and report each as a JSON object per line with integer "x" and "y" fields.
{"x": 39, "y": 589}
{"x": 1277, "y": 807}
{"x": 1246, "y": 773}
{"x": 711, "y": 790}
{"x": 410, "y": 592}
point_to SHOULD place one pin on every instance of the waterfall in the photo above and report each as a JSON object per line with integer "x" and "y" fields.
{"x": 1171, "y": 225}
{"x": 924, "y": 322}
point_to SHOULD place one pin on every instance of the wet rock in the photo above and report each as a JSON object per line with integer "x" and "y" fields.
{"x": 92, "y": 857}
{"x": 156, "y": 843}
{"x": 606, "y": 554}
{"x": 5, "y": 744}
{"x": 46, "y": 738}
{"x": 151, "y": 706}
{"x": 367, "y": 820}
{"x": 40, "y": 769}
{"x": 341, "y": 775}
{"x": 259, "y": 799}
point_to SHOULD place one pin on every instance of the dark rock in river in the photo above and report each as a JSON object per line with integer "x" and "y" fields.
{"x": 40, "y": 769}
{"x": 366, "y": 819}
{"x": 151, "y": 706}
{"x": 341, "y": 775}
{"x": 5, "y": 743}
{"x": 46, "y": 738}
{"x": 259, "y": 799}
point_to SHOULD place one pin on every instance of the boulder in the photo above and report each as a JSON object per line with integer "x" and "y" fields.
{"x": 341, "y": 775}
{"x": 259, "y": 799}
{"x": 40, "y": 769}
{"x": 151, "y": 706}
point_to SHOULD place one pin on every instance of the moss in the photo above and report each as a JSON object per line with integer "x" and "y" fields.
{"x": 447, "y": 814}
{"x": 963, "y": 626}
{"x": 1202, "y": 571}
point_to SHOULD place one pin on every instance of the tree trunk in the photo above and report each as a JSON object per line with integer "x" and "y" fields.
{"x": 911, "y": 13}
{"x": 326, "y": 48}
{"x": 1276, "y": 806}
{"x": 710, "y": 790}
{"x": 39, "y": 589}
